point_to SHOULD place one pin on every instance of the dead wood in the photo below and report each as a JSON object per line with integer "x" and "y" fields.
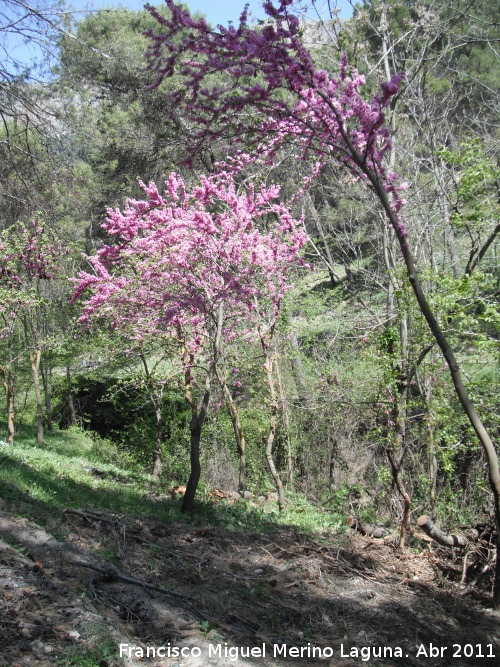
{"x": 430, "y": 529}
{"x": 113, "y": 573}
{"x": 92, "y": 517}
{"x": 468, "y": 589}
{"x": 88, "y": 516}
{"x": 366, "y": 528}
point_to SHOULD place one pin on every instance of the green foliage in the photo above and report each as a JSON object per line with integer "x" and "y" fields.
{"x": 108, "y": 452}
{"x": 116, "y": 126}
{"x": 388, "y": 340}
{"x": 121, "y": 411}
{"x": 110, "y": 131}
{"x": 477, "y": 176}
{"x": 207, "y": 626}
{"x": 470, "y": 310}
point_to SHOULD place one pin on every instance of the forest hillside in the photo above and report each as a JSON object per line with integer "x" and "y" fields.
{"x": 249, "y": 333}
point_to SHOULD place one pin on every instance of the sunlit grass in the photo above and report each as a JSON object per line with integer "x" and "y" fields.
{"x": 69, "y": 472}
{"x": 66, "y": 473}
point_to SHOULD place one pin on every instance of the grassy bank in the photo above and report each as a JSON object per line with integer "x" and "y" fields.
{"x": 74, "y": 470}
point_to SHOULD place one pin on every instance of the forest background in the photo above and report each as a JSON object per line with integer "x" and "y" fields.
{"x": 340, "y": 393}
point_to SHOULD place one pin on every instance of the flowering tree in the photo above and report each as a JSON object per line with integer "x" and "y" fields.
{"x": 30, "y": 255}
{"x": 277, "y": 95}
{"x": 189, "y": 265}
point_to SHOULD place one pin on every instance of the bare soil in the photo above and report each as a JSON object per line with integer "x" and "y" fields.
{"x": 76, "y": 581}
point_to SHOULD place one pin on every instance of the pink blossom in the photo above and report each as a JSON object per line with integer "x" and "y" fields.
{"x": 324, "y": 115}
{"x": 178, "y": 256}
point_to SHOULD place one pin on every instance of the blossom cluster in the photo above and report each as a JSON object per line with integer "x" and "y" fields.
{"x": 28, "y": 253}
{"x": 274, "y": 75}
{"x": 180, "y": 254}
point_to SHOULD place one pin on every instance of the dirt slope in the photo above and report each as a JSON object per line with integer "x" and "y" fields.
{"x": 73, "y": 587}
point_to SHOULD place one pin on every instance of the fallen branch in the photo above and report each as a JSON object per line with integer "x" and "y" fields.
{"x": 91, "y": 516}
{"x": 366, "y": 528}
{"x": 430, "y": 529}
{"x": 467, "y": 589}
{"x": 112, "y": 573}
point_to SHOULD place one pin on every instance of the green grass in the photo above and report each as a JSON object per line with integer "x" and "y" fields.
{"x": 72, "y": 470}
{"x": 66, "y": 472}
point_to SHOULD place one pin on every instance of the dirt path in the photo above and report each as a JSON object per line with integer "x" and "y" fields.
{"x": 220, "y": 595}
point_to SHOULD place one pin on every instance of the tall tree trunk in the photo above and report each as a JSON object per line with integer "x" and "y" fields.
{"x": 269, "y": 456}
{"x": 425, "y": 390}
{"x": 8, "y": 385}
{"x": 156, "y": 395}
{"x": 73, "y": 417}
{"x": 394, "y": 451}
{"x": 198, "y": 414}
{"x": 47, "y": 392}
{"x": 157, "y": 452}
{"x": 304, "y": 401}
{"x": 390, "y": 265}
{"x": 35, "y": 356}
{"x": 449, "y": 235}
{"x": 239, "y": 435}
{"x": 195, "y": 427}
{"x": 398, "y": 481}
{"x": 398, "y": 356}
{"x": 286, "y": 425}
{"x": 299, "y": 374}
{"x": 273, "y": 419}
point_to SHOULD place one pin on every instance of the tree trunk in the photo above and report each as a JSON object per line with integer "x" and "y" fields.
{"x": 195, "y": 428}
{"x": 426, "y": 524}
{"x": 239, "y": 436}
{"x": 425, "y": 389}
{"x": 449, "y": 235}
{"x": 433, "y": 461}
{"x": 156, "y": 395}
{"x": 286, "y": 425}
{"x": 304, "y": 401}
{"x": 270, "y": 460}
{"x": 299, "y": 374}
{"x": 198, "y": 415}
{"x": 157, "y": 452}
{"x": 273, "y": 417}
{"x": 398, "y": 482}
{"x": 71, "y": 401}
{"x": 47, "y": 392}
{"x": 35, "y": 356}
{"x": 8, "y": 385}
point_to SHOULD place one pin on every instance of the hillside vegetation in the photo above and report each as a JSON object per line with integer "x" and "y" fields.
{"x": 94, "y": 555}
{"x": 249, "y": 299}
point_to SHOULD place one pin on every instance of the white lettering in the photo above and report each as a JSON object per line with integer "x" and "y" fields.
{"x": 125, "y": 650}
